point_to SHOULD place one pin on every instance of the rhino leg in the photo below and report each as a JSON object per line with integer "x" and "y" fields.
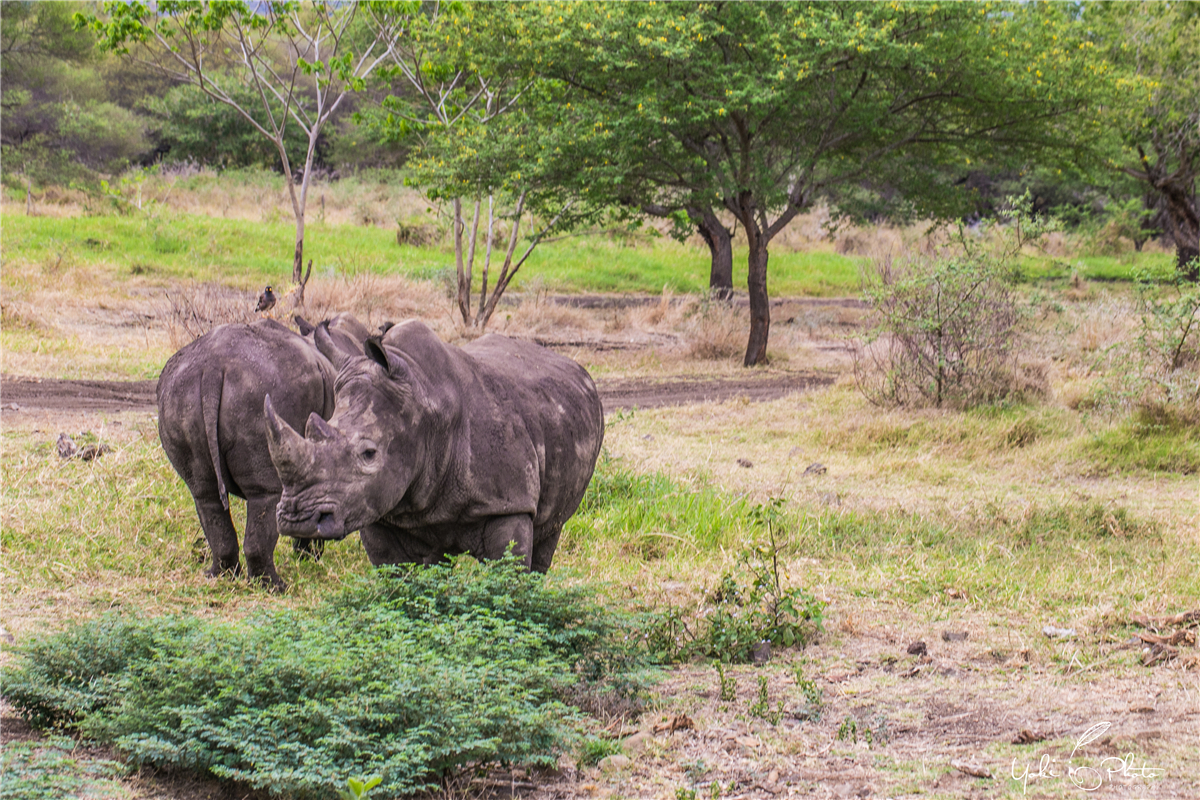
{"x": 261, "y": 537}
{"x": 543, "y": 552}
{"x": 221, "y": 536}
{"x": 499, "y": 532}
{"x": 387, "y": 545}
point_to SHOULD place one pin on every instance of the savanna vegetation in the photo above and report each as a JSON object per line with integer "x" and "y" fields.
{"x": 969, "y": 541}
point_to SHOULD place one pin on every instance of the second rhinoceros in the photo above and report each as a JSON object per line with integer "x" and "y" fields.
{"x": 434, "y": 449}
{"x": 210, "y": 399}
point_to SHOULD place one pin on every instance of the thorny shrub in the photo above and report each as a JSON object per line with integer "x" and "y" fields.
{"x": 946, "y": 332}
{"x": 410, "y": 674}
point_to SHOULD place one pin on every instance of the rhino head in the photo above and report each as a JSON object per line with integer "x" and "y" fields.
{"x": 344, "y": 474}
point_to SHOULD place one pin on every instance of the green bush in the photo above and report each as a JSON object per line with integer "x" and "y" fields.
{"x": 409, "y": 674}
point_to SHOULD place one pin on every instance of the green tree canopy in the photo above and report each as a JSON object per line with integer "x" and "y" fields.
{"x": 1155, "y": 112}
{"x": 761, "y": 108}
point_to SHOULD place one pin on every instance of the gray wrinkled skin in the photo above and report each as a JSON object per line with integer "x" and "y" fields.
{"x": 436, "y": 450}
{"x": 210, "y": 401}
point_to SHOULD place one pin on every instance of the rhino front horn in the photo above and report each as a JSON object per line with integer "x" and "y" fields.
{"x": 291, "y": 454}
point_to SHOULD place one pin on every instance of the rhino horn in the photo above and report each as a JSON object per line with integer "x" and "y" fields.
{"x": 318, "y": 430}
{"x": 329, "y": 346}
{"x": 291, "y": 454}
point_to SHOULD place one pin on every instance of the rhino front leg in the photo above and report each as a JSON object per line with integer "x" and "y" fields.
{"x": 221, "y": 536}
{"x": 499, "y": 532}
{"x": 261, "y": 537}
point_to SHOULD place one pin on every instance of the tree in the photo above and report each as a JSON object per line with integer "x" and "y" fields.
{"x": 761, "y": 108}
{"x": 483, "y": 127}
{"x": 300, "y": 59}
{"x": 1156, "y": 110}
{"x": 59, "y": 121}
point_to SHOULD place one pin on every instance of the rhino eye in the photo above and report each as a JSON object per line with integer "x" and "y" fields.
{"x": 369, "y": 454}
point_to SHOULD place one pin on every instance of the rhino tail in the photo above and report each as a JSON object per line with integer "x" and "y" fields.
{"x": 211, "y": 385}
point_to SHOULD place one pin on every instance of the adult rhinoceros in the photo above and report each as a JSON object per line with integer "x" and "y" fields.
{"x": 434, "y": 449}
{"x": 210, "y": 421}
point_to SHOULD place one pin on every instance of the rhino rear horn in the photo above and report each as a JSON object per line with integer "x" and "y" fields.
{"x": 291, "y": 454}
{"x": 331, "y": 347}
{"x": 318, "y": 430}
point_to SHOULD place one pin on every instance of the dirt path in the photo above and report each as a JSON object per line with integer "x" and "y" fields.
{"x": 623, "y": 393}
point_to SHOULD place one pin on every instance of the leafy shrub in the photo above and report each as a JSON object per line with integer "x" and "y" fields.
{"x": 409, "y": 674}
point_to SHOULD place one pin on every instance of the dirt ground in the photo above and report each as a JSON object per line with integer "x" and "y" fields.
{"x": 976, "y": 712}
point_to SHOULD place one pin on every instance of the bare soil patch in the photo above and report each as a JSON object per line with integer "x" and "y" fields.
{"x": 615, "y": 393}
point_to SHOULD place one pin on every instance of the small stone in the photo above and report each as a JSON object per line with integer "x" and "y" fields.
{"x": 1051, "y": 632}
{"x": 917, "y": 649}
{"x": 13, "y": 407}
{"x": 815, "y": 468}
{"x": 761, "y": 653}
{"x": 635, "y": 743}
{"x": 950, "y": 636}
{"x": 971, "y": 768}
{"x": 614, "y": 763}
{"x": 831, "y": 499}
{"x": 745, "y": 463}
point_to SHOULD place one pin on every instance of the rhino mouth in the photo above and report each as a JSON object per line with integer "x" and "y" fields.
{"x": 322, "y": 523}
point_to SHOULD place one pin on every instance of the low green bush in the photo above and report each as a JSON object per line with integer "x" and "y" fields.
{"x": 409, "y": 674}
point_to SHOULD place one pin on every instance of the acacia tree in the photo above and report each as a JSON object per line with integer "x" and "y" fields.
{"x": 300, "y": 59}
{"x": 1156, "y": 110}
{"x": 761, "y": 108}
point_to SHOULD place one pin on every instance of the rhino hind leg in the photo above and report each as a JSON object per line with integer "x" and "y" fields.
{"x": 543, "y": 551}
{"x": 261, "y": 537}
{"x": 516, "y": 529}
{"x": 222, "y": 538}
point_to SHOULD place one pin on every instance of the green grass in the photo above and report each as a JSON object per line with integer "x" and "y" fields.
{"x": 1158, "y": 440}
{"x": 1056, "y": 558}
{"x": 178, "y": 246}
{"x": 124, "y": 527}
{"x": 1107, "y": 269}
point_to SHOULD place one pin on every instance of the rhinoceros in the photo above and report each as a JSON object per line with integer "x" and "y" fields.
{"x": 436, "y": 450}
{"x": 210, "y": 399}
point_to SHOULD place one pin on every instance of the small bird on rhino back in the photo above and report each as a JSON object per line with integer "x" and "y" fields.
{"x": 266, "y": 300}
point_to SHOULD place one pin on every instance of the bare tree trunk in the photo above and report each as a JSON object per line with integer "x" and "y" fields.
{"x": 760, "y": 303}
{"x": 299, "y": 206}
{"x": 464, "y": 289}
{"x": 464, "y": 298}
{"x": 720, "y": 248}
{"x": 485, "y": 311}
{"x": 487, "y": 258}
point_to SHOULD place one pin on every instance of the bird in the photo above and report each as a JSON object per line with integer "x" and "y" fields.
{"x": 266, "y": 300}
{"x": 66, "y": 446}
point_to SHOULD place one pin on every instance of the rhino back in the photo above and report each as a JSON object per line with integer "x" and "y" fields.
{"x": 251, "y": 362}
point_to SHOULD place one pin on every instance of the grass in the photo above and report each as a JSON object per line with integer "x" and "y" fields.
{"x": 122, "y": 529}
{"x": 169, "y": 245}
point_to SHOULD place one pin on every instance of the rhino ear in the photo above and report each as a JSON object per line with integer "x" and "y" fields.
{"x": 393, "y": 362}
{"x": 304, "y": 325}
{"x": 330, "y": 346}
